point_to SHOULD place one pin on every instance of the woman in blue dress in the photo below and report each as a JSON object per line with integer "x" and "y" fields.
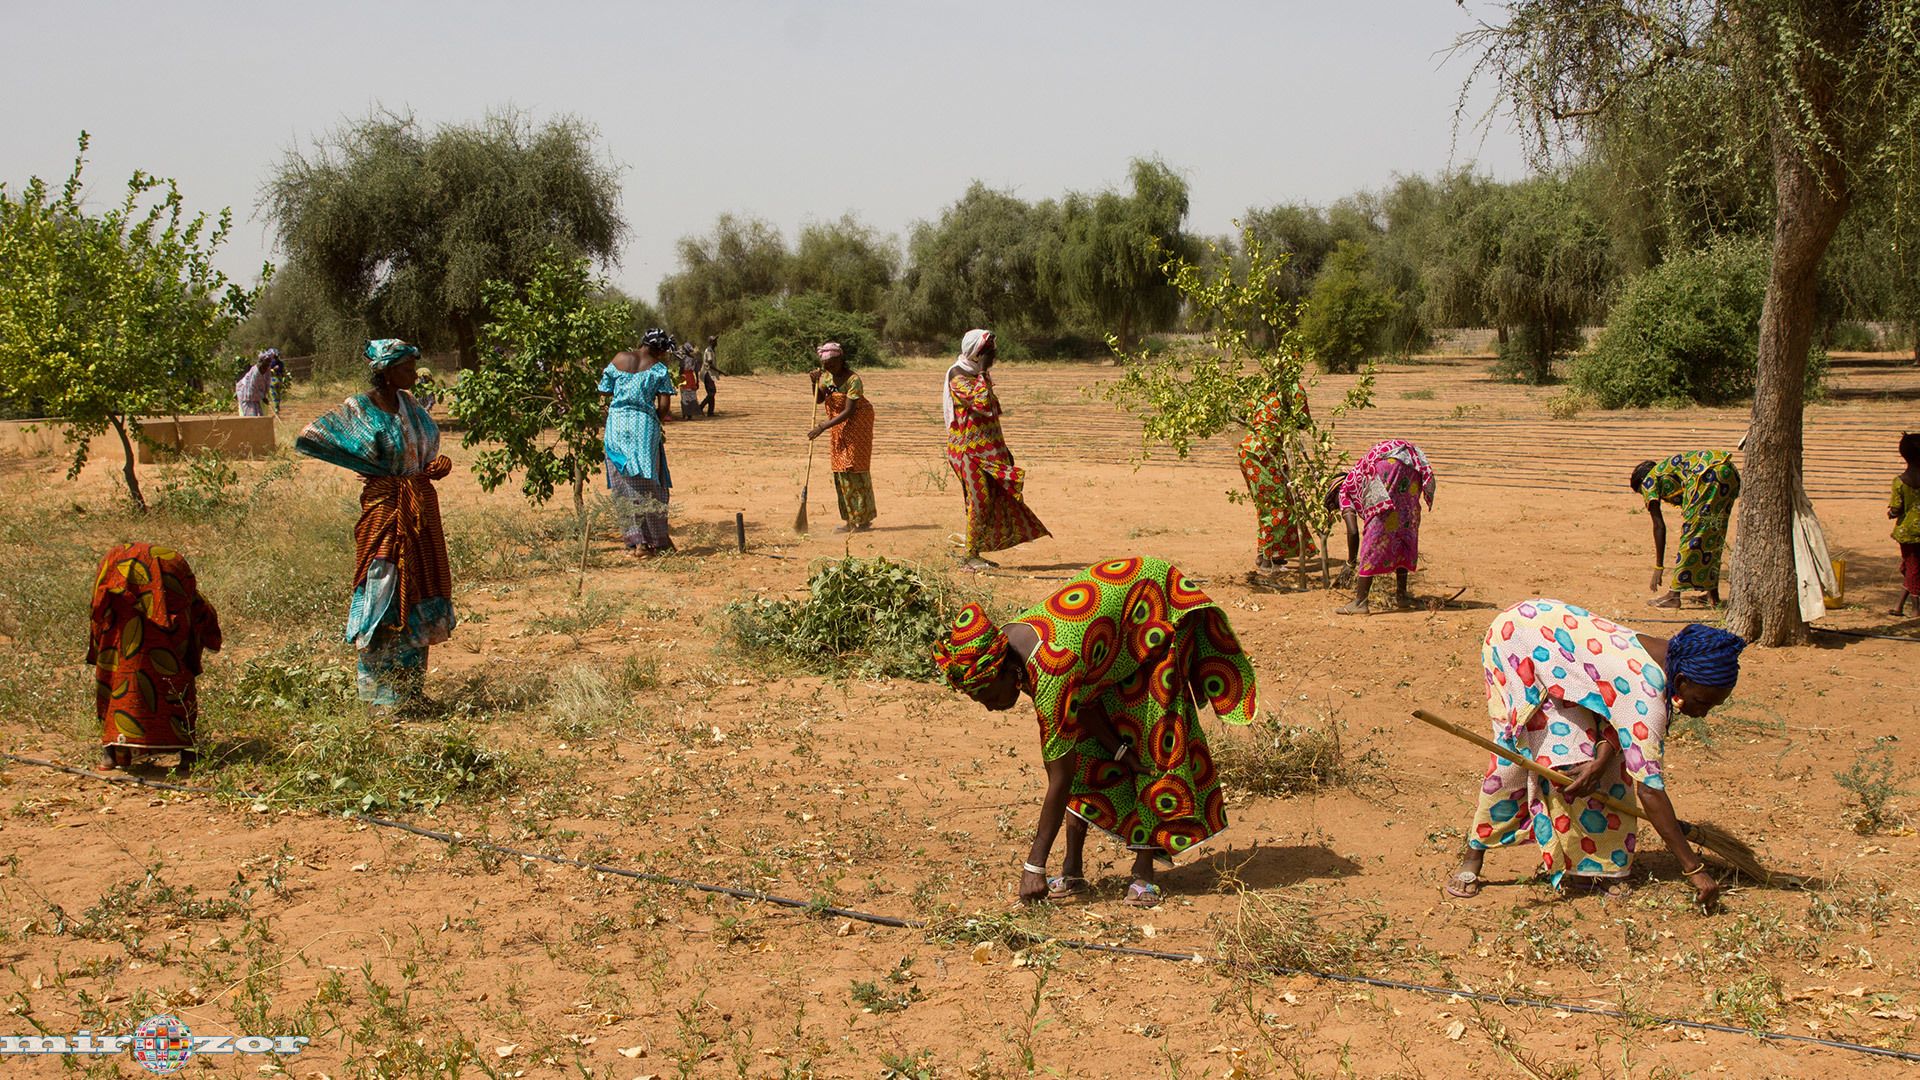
{"x": 637, "y": 473}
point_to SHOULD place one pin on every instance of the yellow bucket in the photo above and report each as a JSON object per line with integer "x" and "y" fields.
{"x": 1839, "y": 597}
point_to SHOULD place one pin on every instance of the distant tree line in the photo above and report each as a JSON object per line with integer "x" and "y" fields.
{"x": 386, "y": 224}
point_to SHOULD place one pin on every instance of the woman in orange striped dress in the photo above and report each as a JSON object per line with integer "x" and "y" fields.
{"x": 997, "y": 518}
{"x": 851, "y": 423}
{"x": 149, "y": 628}
{"x": 402, "y": 587}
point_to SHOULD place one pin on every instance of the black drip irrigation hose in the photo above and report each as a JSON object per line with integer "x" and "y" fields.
{"x": 1078, "y": 944}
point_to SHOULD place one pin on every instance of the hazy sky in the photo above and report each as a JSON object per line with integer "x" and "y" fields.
{"x": 792, "y": 111}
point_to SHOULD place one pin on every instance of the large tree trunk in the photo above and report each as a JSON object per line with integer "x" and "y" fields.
{"x": 133, "y": 478}
{"x": 467, "y": 341}
{"x": 1764, "y": 606}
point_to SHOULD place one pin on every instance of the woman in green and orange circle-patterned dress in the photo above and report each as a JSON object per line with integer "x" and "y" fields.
{"x": 1114, "y": 662}
{"x": 148, "y": 630}
{"x": 1704, "y": 485}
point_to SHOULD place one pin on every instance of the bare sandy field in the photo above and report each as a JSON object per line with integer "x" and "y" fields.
{"x": 410, "y": 957}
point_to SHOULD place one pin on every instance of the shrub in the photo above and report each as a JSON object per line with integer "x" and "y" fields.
{"x": 1347, "y": 310}
{"x": 1687, "y": 330}
{"x": 870, "y": 615}
{"x": 781, "y": 332}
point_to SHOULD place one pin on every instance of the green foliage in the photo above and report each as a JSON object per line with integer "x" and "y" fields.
{"x": 781, "y": 333}
{"x": 1532, "y": 257}
{"x": 873, "y": 616}
{"x": 847, "y": 262}
{"x": 401, "y": 228}
{"x": 1250, "y": 352}
{"x": 1347, "y": 310}
{"x": 539, "y": 398}
{"x": 1875, "y": 780}
{"x": 1109, "y": 264}
{"x": 721, "y": 274}
{"x": 536, "y": 407}
{"x": 111, "y": 316}
{"x": 1687, "y": 330}
{"x": 980, "y": 264}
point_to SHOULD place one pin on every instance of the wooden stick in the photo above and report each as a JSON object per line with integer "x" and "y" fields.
{"x": 1554, "y": 775}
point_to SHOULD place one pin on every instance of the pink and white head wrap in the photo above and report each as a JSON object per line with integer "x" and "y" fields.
{"x": 970, "y": 348}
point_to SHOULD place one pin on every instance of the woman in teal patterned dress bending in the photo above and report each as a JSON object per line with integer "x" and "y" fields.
{"x": 1114, "y": 662}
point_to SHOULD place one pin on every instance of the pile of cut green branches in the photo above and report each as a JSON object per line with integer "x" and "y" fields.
{"x": 868, "y": 616}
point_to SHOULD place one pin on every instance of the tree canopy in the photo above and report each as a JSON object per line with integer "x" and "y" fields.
{"x": 720, "y": 272}
{"x": 402, "y": 226}
{"x": 1108, "y": 264}
{"x": 1827, "y": 95}
{"x": 107, "y": 317}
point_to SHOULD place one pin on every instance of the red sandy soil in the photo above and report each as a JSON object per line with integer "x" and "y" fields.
{"x": 899, "y": 797}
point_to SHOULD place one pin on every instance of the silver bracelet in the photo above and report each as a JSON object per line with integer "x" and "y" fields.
{"x": 1032, "y": 869}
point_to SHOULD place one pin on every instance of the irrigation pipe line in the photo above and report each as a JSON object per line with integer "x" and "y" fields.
{"x": 1078, "y": 944}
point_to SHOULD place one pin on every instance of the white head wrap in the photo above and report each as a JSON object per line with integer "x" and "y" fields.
{"x": 970, "y": 347}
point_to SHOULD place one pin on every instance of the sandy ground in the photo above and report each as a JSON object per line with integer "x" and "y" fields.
{"x": 899, "y": 797}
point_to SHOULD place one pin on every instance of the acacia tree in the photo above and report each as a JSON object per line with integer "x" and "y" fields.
{"x": 1532, "y": 258}
{"x": 105, "y": 318}
{"x": 845, "y": 261}
{"x": 742, "y": 259}
{"x": 403, "y": 227}
{"x": 978, "y": 265}
{"x": 1109, "y": 262}
{"x": 1828, "y": 92}
{"x": 538, "y": 402}
{"x": 1249, "y": 352}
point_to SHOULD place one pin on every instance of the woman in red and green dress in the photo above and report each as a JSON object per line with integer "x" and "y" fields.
{"x": 1263, "y": 462}
{"x": 997, "y": 517}
{"x": 148, "y": 630}
{"x": 1114, "y": 662}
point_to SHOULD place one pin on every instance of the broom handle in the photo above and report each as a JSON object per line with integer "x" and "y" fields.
{"x": 811, "y": 420}
{"x": 1507, "y": 754}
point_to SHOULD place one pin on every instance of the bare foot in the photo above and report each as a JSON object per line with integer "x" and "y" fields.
{"x": 1671, "y": 602}
{"x": 1402, "y": 601}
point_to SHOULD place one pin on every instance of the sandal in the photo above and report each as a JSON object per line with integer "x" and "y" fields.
{"x": 1143, "y": 894}
{"x": 1066, "y": 887}
{"x": 1464, "y": 885}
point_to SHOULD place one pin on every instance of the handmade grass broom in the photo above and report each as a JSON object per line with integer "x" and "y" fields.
{"x": 800, "y": 519}
{"x": 1729, "y": 849}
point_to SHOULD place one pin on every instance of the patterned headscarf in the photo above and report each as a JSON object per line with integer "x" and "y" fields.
{"x": 971, "y": 654}
{"x": 656, "y": 338}
{"x": 383, "y": 353}
{"x": 1706, "y": 655}
{"x": 970, "y": 348}
{"x": 830, "y": 350}
{"x": 268, "y": 355}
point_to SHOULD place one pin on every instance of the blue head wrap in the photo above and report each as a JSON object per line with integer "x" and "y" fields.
{"x": 383, "y": 353}
{"x": 1705, "y": 655}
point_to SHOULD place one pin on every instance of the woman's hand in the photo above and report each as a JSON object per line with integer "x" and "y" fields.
{"x": 814, "y": 376}
{"x": 1589, "y": 777}
{"x": 1706, "y": 889}
{"x": 1659, "y": 573}
{"x": 814, "y": 433}
{"x": 1033, "y": 887}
